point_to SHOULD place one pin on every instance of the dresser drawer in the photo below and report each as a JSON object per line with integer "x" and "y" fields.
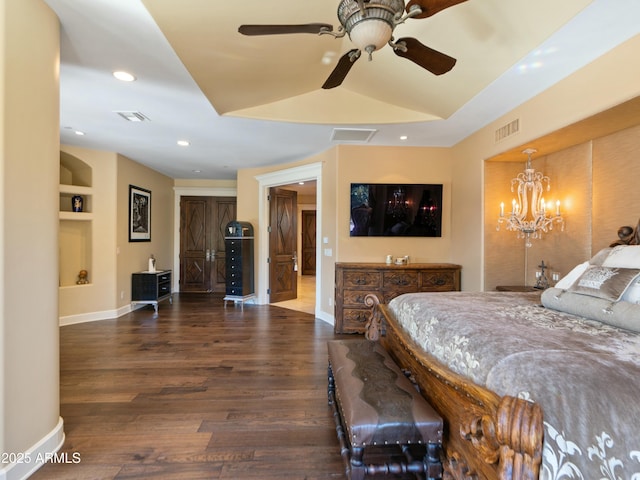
{"x": 361, "y": 279}
{"x": 164, "y": 277}
{"x": 438, "y": 281}
{"x": 354, "y": 281}
{"x": 400, "y": 279}
{"x": 355, "y": 298}
{"x": 355, "y": 319}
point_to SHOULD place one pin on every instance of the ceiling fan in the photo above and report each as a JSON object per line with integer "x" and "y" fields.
{"x": 370, "y": 25}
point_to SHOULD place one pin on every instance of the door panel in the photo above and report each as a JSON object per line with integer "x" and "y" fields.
{"x": 283, "y": 245}
{"x": 308, "y": 242}
{"x": 202, "y": 252}
{"x": 195, "y": 267}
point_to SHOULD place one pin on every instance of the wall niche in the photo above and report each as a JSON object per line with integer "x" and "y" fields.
{"x": 76, "y": 224}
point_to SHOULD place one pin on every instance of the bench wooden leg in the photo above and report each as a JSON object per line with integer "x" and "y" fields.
{"x": 357, "y": 465}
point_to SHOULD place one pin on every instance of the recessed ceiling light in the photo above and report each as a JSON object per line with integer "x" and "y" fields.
{"x": 78, "y": 132}
{"x": 403, "y": 137}
{"x": 196, "y": 171}
{"x": 183, "y": 143}
{"x": 124, "y": 76}
{"x": 300, "y": 183}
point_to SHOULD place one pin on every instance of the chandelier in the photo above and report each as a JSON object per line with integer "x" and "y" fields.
{"x": 530, "y": 216}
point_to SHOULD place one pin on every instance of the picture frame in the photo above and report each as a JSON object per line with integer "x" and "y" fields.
{"x": 139, "y": 214}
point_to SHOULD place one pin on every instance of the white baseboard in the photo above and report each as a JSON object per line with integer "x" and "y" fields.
{"x": 94, "y": 316}
{"x": 325, "y": 317}
{"x": 36, "y": 456}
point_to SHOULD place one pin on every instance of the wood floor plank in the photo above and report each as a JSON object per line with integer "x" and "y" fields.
{"x": 197, "y": 391}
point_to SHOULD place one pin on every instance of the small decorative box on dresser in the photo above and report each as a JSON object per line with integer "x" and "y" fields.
{"x": 151, "y": 287}
{"x": 386, "y": 281}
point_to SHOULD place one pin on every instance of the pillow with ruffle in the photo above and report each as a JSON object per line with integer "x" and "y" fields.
{"x": 604, "y": 282}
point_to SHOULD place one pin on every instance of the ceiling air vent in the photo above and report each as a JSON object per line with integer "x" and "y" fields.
{"x": 133, "y": 116}
{"x": 361, "y": 135}
{"x": 507, "y": 130}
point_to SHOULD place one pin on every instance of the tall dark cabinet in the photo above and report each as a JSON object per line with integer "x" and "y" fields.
{"x": 239, "y": 271}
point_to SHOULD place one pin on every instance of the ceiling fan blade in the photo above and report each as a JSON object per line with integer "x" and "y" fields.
{"x": 428, "y": 58}
{"x": 342, "y": 69}
{"x": 284, "y": 29}
{"x": 431, "y": 7}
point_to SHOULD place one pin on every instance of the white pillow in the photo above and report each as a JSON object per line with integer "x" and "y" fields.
{"x": 632, "y": 293}
{"x": 565, "y": 282}
{"x": 623, "y": 256}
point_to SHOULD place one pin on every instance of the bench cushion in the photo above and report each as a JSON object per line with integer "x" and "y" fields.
{"x": 377, "y": 402}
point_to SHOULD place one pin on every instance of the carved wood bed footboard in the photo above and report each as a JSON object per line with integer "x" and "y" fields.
{"x": 485, "y": 436}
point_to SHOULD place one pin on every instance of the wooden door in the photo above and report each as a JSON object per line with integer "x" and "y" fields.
{"x": 202, "y": 253}
{"x": 308, "y": 261}
{"x": 283, "y": 275}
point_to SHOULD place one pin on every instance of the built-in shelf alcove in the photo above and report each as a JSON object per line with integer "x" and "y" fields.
{"x": 75, "y": 234}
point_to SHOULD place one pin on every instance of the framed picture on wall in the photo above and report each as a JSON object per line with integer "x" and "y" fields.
{"x": 139, "y": 214}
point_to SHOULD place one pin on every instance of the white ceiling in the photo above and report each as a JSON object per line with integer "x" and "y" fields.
{"x": 246, "y": 102}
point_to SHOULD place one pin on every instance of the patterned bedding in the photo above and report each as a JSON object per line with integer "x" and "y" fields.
{"x": 584, "y": 374}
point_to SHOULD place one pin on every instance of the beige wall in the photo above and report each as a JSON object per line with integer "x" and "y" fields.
{"x": 616, "y": 192}
{"x": 113, "y": 258}
{"x": 608, "y": 81}
{"x": 29, "y": 145}
{"x": 97, "y": 296}
{"x": 134, "y": 256}
{"x": 365, "y": 164}
{"x": 340, "y": 167}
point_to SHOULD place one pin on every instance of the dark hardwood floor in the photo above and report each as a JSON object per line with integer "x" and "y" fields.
{"x": 197, "y": 392}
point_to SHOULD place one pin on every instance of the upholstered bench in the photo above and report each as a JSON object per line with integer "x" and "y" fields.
{"x": 383, "y": 423}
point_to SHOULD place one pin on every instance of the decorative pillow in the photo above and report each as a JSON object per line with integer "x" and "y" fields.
{"x": 623, "y": 256}
{"x": 601, "y": 256}
{"x": 565, "y": 282}
{"x": 619, "y": 314}
{"x": 604, "y": 282}
{"x": 632, "y": 293}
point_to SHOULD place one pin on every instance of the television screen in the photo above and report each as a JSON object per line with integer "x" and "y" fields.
{"x": 396, "y": 210}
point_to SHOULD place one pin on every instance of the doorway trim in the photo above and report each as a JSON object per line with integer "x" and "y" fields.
{"x": 303, "y": 173}
{"x": 190, "y": 192}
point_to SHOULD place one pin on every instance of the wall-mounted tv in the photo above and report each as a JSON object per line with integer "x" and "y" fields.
{"x": 396, "y": 210}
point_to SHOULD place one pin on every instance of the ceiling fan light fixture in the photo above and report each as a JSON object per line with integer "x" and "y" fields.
{"x": 370, "y": 25}
{"x": 370, "y": 35}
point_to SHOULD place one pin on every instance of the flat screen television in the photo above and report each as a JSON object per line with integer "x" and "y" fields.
{"x": 396, "y": 210}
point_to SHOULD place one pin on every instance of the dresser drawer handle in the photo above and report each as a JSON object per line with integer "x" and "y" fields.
{"x": 440, "y": 281}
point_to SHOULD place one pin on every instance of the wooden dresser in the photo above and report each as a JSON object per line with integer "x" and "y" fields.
{"x": 355, "y": 280}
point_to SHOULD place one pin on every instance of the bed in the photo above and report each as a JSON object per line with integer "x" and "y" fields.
{"x": 542, "y": 385}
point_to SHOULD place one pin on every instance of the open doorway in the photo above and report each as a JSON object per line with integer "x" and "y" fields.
{"x": 305, "y": 173}
{"x": 305, "y": 254}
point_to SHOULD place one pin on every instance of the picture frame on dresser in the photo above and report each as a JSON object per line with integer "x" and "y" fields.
{"x": 139, "y": 214}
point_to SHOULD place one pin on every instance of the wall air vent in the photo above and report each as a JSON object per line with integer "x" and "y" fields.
{"x": 360, "y": 135}
{"x": 133, "y": 116}
{"x": 507, "y": 130}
